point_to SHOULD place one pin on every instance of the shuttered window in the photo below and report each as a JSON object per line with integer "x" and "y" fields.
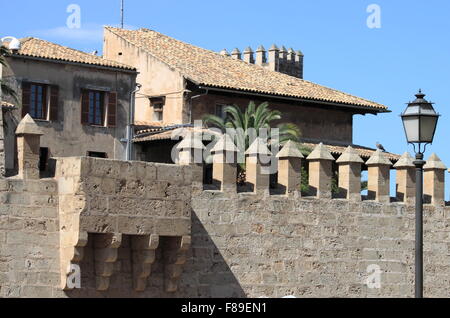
{"x": 40, "y": 101}
{"x": 98, "y": 108}
{"x": 54, "y": 102}
{"x": 112, "y": 109}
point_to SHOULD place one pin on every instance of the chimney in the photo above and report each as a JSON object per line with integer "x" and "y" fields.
{"x": 274, "y": 58}
{"x": 248, "y": 55}
{"x": 299, "y": 63}
{"x": 260, "y": 55}
{"x": 290, "y": 63}
{"x": 282, "y": 68}
{"x": 224, "y": 52}
{"x": 236, "y": 54}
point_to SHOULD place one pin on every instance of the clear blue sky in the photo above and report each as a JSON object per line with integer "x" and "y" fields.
{"x": 411, "y": 50}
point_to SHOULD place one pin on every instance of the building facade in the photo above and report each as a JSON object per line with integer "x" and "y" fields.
{"x": 181, "y": 83}
{"x": 79, "y": 100}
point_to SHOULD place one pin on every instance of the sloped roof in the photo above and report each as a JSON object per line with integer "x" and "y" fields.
{"x": 211, "y": 69}
{"x": 337, "y": 150}
{"x": 33, "y": 47}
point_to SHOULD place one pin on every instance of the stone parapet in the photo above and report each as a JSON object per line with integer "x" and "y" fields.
{"x": 114, "y": 198}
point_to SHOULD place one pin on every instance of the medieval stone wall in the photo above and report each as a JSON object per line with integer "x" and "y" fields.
{"x": 108, "y": 221}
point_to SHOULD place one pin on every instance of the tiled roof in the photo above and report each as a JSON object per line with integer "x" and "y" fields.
{"x": 211, "y": 69}
{"x": 34, "y": 47}
{"x": 364, "y": 152}
{"x": 336, "y": 150}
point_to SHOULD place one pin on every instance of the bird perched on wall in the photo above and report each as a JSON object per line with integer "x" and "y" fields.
{"x": 380, "y": 146}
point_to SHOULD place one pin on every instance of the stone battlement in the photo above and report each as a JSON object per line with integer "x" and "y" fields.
{"x": 319, "y": 167}
{"x": 108, "y": 228}
{"x": 285, "y": 61}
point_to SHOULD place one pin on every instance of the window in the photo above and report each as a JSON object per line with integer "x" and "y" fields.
{"x": 40, "y": 101}
{"x": 220, "y": 111}
{"x": 97, "y": 154}
{"x": 98, "y": 108}
{"x": 158, "y": 106}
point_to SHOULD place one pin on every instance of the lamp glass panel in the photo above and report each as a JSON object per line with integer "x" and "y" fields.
{"x": 412, "y": 110}
{"x": 427, "y": 127}
{"x": 411, "y": 125}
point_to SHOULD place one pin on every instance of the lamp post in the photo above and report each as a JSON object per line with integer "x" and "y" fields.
{"x": 419, "y": 121}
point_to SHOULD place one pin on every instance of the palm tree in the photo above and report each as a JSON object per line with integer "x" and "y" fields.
{"x": 5, "y": 88}
{"x": 251, "y": 121}
{"x": 246, "y": 126}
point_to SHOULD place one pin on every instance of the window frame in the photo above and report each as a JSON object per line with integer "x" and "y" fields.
{"x": 45, "y": 101}
{"x": 158, "y": 104}
{"x": 103, "y": 108}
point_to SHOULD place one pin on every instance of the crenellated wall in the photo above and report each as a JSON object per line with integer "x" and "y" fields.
{"x": 135, "y": 229}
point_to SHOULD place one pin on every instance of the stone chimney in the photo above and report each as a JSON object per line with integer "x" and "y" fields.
{"x": 274, "y": 58}
{"x": 248, "y": 55}
{"x": 236, "y": 54}
{"x": 288, "y": 62}
{"x": 299, "y": 63}
{"x": 224, "y": 52}
{"x": 261, "y": 56}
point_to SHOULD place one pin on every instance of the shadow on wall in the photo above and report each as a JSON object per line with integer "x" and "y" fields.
{"x": 206, "y": 270}
{"x": 206, "y": 273}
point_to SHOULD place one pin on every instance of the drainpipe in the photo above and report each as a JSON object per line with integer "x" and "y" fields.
{"x": 130, "y": 125}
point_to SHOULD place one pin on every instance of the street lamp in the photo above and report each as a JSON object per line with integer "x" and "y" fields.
{"x": 419, "y": 121}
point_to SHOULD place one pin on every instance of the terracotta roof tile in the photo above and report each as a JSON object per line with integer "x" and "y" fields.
{"x": 336, "y": 150}
{"x": 212, "y": 69}
{"x": 34, "y": 47}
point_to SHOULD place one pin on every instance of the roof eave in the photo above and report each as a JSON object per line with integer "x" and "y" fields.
{"x": 61, "y": 61}
{"x": 366, "y": 109}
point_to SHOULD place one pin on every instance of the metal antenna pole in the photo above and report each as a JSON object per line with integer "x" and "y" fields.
{"x": 121, "y": 14}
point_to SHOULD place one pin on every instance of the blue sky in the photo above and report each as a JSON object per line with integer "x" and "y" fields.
{"x": 411, "y": 50}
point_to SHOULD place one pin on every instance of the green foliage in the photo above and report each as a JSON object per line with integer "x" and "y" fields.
{"x": 364, "y": 185}
{"x": 335, "y": 183}
{"x": 253, "y": 117}
{"x": 304, "y": 186}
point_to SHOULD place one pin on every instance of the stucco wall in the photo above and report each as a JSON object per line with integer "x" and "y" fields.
{"x": 156, "y": 78}
{"x": 67, "y": 136}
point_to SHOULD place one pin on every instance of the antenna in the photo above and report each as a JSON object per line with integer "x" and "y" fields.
{"x": 121, "y": 14}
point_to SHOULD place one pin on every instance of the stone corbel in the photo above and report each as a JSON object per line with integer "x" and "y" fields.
{"x": 143, "y": 256}
{"x": 174, "y": 260}
{"x": 105, "y": 255}
{"x": 72, "y": 251}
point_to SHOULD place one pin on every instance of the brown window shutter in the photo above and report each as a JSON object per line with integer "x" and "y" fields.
{"x": 112, "y": 109}
{"x": 26, "y": 91}
{"x": 84, "y": 107}
{"x": 54, "y": 99}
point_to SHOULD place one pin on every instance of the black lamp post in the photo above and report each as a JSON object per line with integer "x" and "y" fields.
{"x": 419, "y": 121}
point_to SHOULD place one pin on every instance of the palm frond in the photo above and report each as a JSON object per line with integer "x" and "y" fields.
{"x": 215, "y": 121}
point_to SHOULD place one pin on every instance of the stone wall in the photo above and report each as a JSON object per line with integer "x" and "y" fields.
{"x": 109, "y": 211}
{"x": 110, "y": 218}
